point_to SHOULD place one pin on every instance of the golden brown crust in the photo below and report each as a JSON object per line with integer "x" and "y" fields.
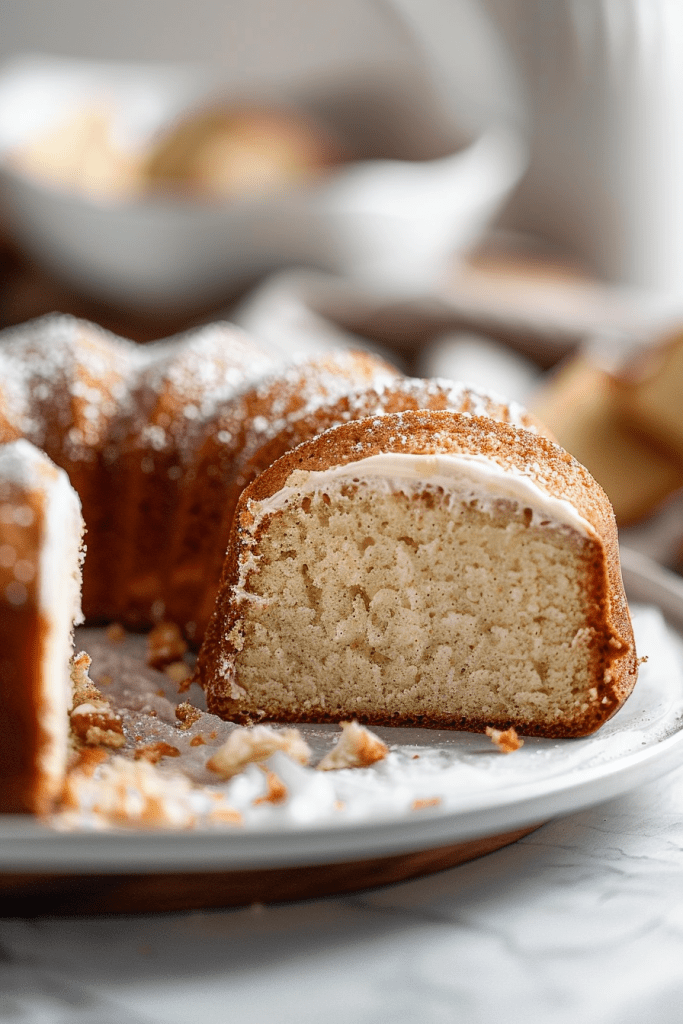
{"x": 34, "y": 651}
{"x": 22, "y": 637}
{"x": 546, "y": 464}
{"x": 174, "y": 397}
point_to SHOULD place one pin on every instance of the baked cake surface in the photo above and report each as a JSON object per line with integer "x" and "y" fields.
{"x": 123, "y": 420}
{"x": 40, "y": 541}
{"x": 279, "y": 414}
{"x": 423, "y": 568}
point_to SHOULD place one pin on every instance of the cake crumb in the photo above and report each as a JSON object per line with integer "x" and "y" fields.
{"x": 179, "y": 673}
{"x": 85, "y": 727}
{"x": 116, "y": 634}
{"x": 93, "y": 720}
{"x": 246, "y": 745}
{"x": 507, "y": 741}
{"x": 357, "y": 747}
{"x": 418, "y": 805}
{"x": 187, "y": 715}
{"x": 276, "y": 792}
{"x": 130, "y": 793}
{"x": 225, "y": 815}
{"x": 82, "y": 684}
{"x": 165, "y": 644}
{"x": 153, "y": 752}
{"x": 87, "y": 759}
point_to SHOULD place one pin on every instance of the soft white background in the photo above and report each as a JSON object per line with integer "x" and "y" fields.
{"x": 270, "y": 42}
{"x": 255, "y": 40}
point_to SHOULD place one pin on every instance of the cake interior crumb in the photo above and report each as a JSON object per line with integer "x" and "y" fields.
{"x": 446, "y": 611}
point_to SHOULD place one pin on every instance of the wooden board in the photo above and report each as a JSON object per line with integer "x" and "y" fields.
{"x": 23, "y": 895}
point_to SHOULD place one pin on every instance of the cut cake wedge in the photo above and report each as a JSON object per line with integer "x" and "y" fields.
{"x": 426, "y": 569}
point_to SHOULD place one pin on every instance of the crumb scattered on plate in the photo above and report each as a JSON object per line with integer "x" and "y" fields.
{"x": 255, "y": 744}
{"x": 357, "y": 747}
{"x": 506, "y": 740}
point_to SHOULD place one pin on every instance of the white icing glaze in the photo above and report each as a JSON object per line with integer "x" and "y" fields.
{"x": 466, "y": 477}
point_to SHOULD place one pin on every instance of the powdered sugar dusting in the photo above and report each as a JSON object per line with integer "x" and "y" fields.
{"x": 70, "y": 386}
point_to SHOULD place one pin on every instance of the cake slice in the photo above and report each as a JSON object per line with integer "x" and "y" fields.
{"x": 277, "y": 416}
{"x": 423, "y": 568}
{"x": 40, "y": 578}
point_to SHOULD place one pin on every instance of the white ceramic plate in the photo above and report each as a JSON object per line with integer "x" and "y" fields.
{"x": 546, "y": 778}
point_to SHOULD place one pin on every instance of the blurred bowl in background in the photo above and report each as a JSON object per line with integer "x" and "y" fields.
{"x": 394, "y": 224}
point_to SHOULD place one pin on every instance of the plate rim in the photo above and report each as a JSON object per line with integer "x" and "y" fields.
{"x": 28, "y": 845}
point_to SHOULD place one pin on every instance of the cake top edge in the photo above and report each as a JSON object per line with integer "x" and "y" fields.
{"x": 514, "y": 448}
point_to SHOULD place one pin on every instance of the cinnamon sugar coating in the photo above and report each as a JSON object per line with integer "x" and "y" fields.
{"x": 149, "y": 436}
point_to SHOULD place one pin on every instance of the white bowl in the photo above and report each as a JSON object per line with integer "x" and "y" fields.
{"x": 390, "y": 223}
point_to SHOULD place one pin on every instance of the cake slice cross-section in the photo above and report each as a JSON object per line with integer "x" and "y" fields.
{"x": 426, "y": 569}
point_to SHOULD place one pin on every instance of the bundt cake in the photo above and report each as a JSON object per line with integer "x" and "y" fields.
{"x": 405, "y": 551}
{"x": 423, "y": 568}
{"x": 126, "y": 423}
{"x": 40, "y": 556}
{"x": 159, "y": 440}
{"x": 121, "y": 419}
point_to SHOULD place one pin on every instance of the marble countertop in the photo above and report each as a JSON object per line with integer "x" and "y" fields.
{"x": 581, "y": 920}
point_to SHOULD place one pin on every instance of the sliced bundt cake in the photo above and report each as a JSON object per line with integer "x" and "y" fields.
{"x": 423, "y": 568}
